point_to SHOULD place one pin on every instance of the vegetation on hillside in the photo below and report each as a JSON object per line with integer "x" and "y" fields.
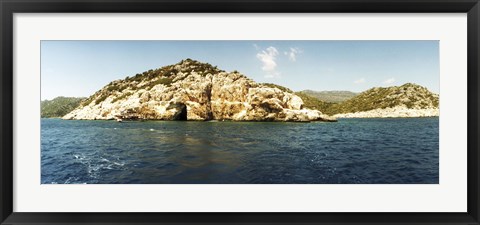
{"x": 58, "y": 106}
{"x": 409, "y": 95}
{"x": 330, "y": 96}
{"x": 314, "y": 103}
{"x": 309, "y": 102}
{"x": 166, "y": 75}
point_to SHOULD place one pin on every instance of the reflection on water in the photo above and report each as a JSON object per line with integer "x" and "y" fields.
{"x": 349, "y": 151}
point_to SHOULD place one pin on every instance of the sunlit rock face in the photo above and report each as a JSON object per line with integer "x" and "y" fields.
{"x": 191, "y": 90}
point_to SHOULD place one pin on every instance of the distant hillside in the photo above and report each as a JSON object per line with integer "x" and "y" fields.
{"x": 330, "y": 96}
{"x": 314, "y": 103}
{"x": 411, "y": 96}
{"x": 309, "y": 101}
{"x": 59, "y": 106}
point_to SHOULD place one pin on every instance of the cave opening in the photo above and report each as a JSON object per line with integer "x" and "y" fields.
{"x": 183, "y": 113}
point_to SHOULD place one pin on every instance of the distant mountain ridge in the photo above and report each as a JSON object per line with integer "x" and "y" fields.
{"x": 315, "y": 103}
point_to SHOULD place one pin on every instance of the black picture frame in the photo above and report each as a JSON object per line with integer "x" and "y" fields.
{"x": 9, "y": 7}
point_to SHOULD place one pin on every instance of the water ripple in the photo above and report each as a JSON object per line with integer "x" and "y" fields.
{"x": 352, "y": 151}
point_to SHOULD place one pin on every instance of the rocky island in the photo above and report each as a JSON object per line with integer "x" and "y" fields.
{"x": 191, "y": 90}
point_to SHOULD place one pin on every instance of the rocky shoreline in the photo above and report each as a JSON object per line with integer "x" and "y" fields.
{"x": 395, "y": 112}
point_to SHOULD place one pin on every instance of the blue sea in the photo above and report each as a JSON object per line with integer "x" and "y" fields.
{"x": 350, "y": 151}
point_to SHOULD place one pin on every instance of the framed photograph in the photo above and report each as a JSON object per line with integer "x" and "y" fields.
{"x": 232, "y": 112}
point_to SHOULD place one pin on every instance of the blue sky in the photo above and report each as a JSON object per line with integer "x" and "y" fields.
{"x": 79, "y": 68}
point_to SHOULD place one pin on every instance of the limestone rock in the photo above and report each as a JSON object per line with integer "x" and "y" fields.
{"x": 191, "y": 90}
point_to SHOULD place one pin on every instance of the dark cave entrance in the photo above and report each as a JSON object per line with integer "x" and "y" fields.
{"x": 183, "y": 113}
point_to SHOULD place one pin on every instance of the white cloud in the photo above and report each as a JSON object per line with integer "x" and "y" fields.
{"x": 360, "y": 81}
{"x": 389, "y": 81}
{"x": 268, "y": 58}
{"x": 256, "y": 46}
{"x": 292, "y": 54}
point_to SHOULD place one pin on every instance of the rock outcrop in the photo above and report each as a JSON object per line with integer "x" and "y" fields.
{"x": 191, "y": 90}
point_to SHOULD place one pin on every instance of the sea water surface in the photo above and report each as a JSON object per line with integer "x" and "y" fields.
{"x": 350, "y": 151}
